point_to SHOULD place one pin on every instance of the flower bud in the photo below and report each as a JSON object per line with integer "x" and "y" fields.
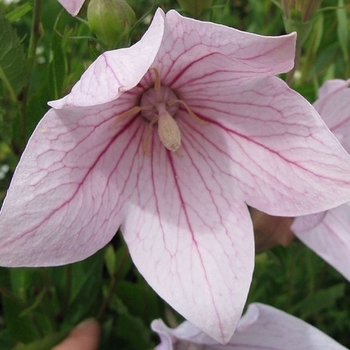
{"x": 195, "y": 7}
{"x": 270, "y": 231}
{"x": 298, "y": 15}
{"x": 304, "y": 9}
{"x": 110, "y": 20}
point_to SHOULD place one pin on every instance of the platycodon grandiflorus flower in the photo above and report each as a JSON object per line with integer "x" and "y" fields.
{"x": 169, "y": 140}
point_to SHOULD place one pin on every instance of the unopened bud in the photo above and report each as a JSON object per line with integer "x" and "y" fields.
{"x": 300, "y": 9}
{"x": 298, "y": 16}
{"x": 110, "y": 20}
{"x": 195, "y": 7}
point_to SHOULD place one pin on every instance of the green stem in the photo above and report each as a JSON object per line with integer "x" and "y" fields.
{"x": 8, "y": 294}
{"x": 35, "y": 35}
{"x": 290, "y": 74}
{"x": 113, "y": 285}
{"x": 67, "y": 293}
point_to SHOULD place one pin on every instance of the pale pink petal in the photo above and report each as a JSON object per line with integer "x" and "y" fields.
{"x": 66, "y": 198}
{"x": 279, "y": 151}
{"x": 331, "y": 86}
{"x": 190, "y": 237}
{"x": 262, "y": 327}
{"x": 334, "y": 108}
{"x": 117, "y": 71}
{"x": 72, "y": 6}
{"x": 307, "y": 222}
{"x": 265, "y": 327}
{"x": 256, "y": 55}
{"x": 330, "y": 239}
{"x": 327, "y": 233}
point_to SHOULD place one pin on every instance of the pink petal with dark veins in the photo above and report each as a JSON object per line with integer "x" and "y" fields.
{"x": 282, "y": 156}
{"x": 190, "y": 238}
{"x": 330, "y": 239}
{"x": 117, "y": 71}
{"x": 327, "y": 233}
{"x": 67, "y": 195}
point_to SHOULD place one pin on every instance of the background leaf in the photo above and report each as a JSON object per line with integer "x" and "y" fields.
{"x": 13, "y": 64}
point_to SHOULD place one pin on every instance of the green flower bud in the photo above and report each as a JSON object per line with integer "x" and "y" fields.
{"x": 300, "y": 8}
{"x": 298, "y": 16}
{"x": 195, "y": 7}
{"x": 110, "y": 20}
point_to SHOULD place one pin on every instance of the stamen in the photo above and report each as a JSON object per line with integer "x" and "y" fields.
{"x": 189, "y": 110}
{"x": 132, "y": 111}
{"x": 157, "y": 85}
{"x": 148, "y": 133}
{"x": 169, "y": 132}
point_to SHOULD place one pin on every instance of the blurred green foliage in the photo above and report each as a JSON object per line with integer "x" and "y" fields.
{"x": 39, "y": 306}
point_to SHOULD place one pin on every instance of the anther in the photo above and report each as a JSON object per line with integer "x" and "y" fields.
{"x": 169, "y": 132}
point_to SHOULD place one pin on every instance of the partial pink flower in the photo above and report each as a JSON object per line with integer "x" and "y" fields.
{"x": 327, "y": 233}
{"x": 72, "y": 6}
{"x": 169, "y": 140}
{"x": 262, "y": 327}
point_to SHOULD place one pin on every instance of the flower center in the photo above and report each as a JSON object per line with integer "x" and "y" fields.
{"x": 159, "y": 105}
{"x": 155, "y": 107}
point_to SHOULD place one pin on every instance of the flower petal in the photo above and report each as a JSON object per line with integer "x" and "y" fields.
{"x": 189, "y": 237}
{"x": 283, "y": 157}
{"x": 334, "y": 108}
{"x": 72, "y": 6}
{"x": 327, "y": 232}
{"x": 331, "y": 86}
{"x": 262, "y": 327}
{"x": 187, "y": 41}
{"x": 307, "y": 222}
{"x": 117, "y": 71}
{"x": 66, "y": 198}
{"x": 330, "y": 238}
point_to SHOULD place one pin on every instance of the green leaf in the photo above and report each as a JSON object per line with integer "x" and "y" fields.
{"x": 132, "y": 329}
{"x": 18, "y": 12}
{"x": 342, "y": 29}
{"x": 320, "y": 300}
{"x": 140, "y": 300}
{"x": 22, "y": 280}
{"x": 46, "y": 343}
{"x": 13, "y": 64}
{"x": 6, "y": 341}
{"x": 20, "y": 328}
{"x": 57, "y": 67}
{"x": 110, "y": 259}
{"x": 128, "y": 327}
{"x": 82, "y": 288}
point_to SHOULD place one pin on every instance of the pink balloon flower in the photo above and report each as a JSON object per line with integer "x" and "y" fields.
{"x": 169, "y": 140}
{"x": 262, "y": 328}
{"x": 327, "y": 233}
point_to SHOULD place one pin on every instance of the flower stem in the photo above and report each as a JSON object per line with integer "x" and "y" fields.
{"x": 35, "y": 35}
{"x": 290, "y": 74}
{"x": 67, "y": 293}
{"x": 113, "y": 285}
